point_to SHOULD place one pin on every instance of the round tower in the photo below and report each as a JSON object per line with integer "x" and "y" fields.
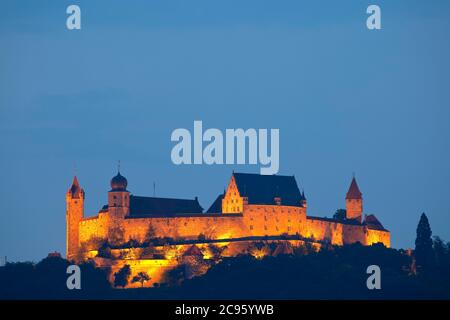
{"x": 118, "y": 197}
{"x": 74, "y": 214}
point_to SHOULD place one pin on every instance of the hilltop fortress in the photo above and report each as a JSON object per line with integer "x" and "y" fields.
{"x": 253, "y": 207}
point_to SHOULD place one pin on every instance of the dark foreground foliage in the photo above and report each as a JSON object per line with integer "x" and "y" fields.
{"x": 332, "y": 273}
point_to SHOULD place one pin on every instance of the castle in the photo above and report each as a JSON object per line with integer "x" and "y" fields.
{"x": 253, "y": 207}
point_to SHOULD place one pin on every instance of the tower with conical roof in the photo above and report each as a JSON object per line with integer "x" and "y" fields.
{"x": 74, "y": 214}
{"x": 354, "y": 202}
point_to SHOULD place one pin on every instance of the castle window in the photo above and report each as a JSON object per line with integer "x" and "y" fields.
{"x": 114, "y": 197}
{"x": 265, "y": 227}
{"x": 251, "y": 227}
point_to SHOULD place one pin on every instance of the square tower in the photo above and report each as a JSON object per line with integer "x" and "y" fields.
{"x": 354, "y": 202}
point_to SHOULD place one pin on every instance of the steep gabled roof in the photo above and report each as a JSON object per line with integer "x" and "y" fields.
{"x": 353, "y": 192}
{"x": 262, "y": 189}
{"x": 373, "y": 223}
{"x": 216, "y": 207}
{"x": 162, "y": 206}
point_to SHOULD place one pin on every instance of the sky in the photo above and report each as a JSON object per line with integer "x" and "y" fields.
{"x": 345, "y": 99}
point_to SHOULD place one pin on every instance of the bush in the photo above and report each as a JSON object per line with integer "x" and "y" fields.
{"x": 201, "y": 237}
{"x": 122, "y": 276}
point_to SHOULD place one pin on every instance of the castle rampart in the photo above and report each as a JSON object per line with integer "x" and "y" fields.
{"x": 253, "y": 206}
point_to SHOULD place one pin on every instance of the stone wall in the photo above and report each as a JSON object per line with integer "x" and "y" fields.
{"x": 374, "y": 236}
{"x": 257, "y": 220}
{"x": 340, "y": 233}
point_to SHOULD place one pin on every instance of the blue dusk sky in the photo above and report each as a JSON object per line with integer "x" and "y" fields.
{"x": 345, "y": 99}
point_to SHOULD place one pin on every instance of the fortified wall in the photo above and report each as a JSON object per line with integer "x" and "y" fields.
{"x": 252, "y": 207}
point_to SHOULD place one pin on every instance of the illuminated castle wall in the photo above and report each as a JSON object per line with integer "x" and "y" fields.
{"x": 252, "y": 206}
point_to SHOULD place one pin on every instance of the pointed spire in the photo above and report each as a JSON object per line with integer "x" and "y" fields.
{"x": 353, "y": 192}
{"x": 75, "y": 181}
{"x": 75, "y": 190}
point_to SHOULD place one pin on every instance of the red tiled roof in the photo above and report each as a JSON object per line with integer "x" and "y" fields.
{"x": 353, "y": 191}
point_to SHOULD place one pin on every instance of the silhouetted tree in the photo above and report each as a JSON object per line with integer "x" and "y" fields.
{"x": 442, "y": 255}
{"x": 104, "y": 251}
{"x": 121, "y": 277}
{"x": 141, "y": 277}
{"x": 94, "y": 281}
{"x": 340, "y": 214}
{"x": 16, "y": 280}
{"x": 48, "y": 280}
{"x": 424, "y": 245}
{"x": 201, "y": 237}
{"x": 176, "y": 275}
{"x": 50, "y": 276}
{"x": 335, "y": 272}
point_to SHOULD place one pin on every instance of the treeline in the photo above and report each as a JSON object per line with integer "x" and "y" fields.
{"x": 332, "y": 273}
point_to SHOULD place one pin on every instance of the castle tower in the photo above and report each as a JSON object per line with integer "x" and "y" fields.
{"x": 74, "y": 214}
{"x": 354, "y": 202}
{"x": 118, "y": 198}
{"x": 303, "y": 201}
